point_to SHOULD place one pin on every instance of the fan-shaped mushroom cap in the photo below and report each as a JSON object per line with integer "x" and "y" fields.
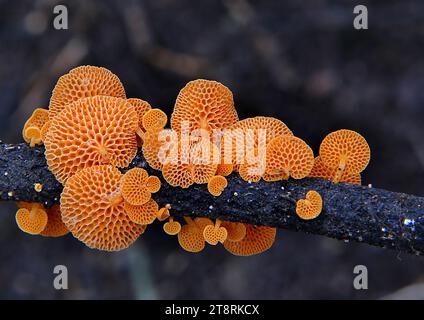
{"x": 134, "y": 187}
{"x": 289, "y": 156}
{"x": 154, "y": 120}
{"x": 83, "y": 82}
{"x": 172, "y": 227}
{"x": 55, "y": 226}
{"x": 204, "y": 104}
{"x": 257, "y": 240}
{"x": 236, "y": 230}
{"x": 202, "y": 223}
{"x": 190, "y": 237}
{"x": 32, "y": 128}
{"x": 153, "y": 184}
{"x": 91, "y": 131}
{"x": 224, "y": 169}
{"x": 143, "y": 214}
{"x": 320, "y": 170}
{"x": 192, "y": 165}
{"x": 141, "y": 107}
{"x": 216, "y": 185}
{"x": 345, "y": 150}
{"x": 31, "y": 221}
{"x": 163, "y": 214}
{"x": 311, "y": 207}
{"x": 215, "y": 234}
{"x": 93, "y": 209}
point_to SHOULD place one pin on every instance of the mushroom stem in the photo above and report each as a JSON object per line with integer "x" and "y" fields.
{"x": 116, "y": 200}
{"x": 340, "y": 170}
{"x": 32, "y": 143}
{"x": 140, "y": 133}
{"x": 104, "y": 154}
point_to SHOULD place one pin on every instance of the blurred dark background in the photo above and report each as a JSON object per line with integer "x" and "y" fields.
{"x": 300, "y": 61}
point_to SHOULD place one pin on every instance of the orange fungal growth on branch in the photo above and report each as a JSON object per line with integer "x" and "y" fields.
{"x": 236, "y": 231}
{"x": 163, "y": 214}
{"x": 258, "y": 239}
{"x": 143, "y": 214}
{"x": 31, "y": 132}
{"x": 31, "y": 218}
{"x": 191, "y": 237}
{"x": 204, "y": 104}
{"x": 55, "y": 226}
{"x": 320, "y": 170}
{"x": 83, "y": 82}
{"x": 289, "y": 156}
{"x": 216, "y": 185}
{"x": 92, "y": 131}
{"x": 345, "y": 151}
{"x": 153, "y": 184}
{"x": 215, "y": 234}
{"x": 311, "y": 207}
{"x": 154, "y": 120}
{"x": 134, "y": 186}
{"x": 141, "y": 107}
{"x": 172, "y": 227}
{"x": 93, "y": 209}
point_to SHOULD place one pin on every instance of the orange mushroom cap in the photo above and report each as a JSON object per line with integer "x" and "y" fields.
{"x": 93, "y": 209}
{"x": 134, "y": 187}
{"x": 190, "y": 237}
{"x": 31, "y": 221}
{"x": 215, "y": 234}
{"x": 83, "y": 82}
{"x": 320, "y": 170}
{"x": 154, "y": 120}
{"x": 311, "y": 207}
{"x": 257, "y": 240}
{"x": 141, "y": 107}
{"x": 153, "y": 184}
{"x": 35, "y": 123}
{"x": 289, "y": 156}
{"x": 236, "y": 231}
{"x": 224, "y": 169}
{"x": 172, "y": 227}
{"x": 216, "y": 185}
{"x": 92, "y": 131}
{"x": 204, "y": 104}
{"x": 345, "y": 150}
{"x": 202, "y": 223}
{"x": 55, "y": 226}
{"x": 163, "y": 214}
{"x": 143, "y": 214}
{"x": 155, "y": 150}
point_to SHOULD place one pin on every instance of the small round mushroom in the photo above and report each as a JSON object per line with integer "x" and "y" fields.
{"x": 55, "y": 226}
{"x": 311, "y": 207}
{"x": 204, "y": 104}
{"x": 153, "y": 184}
{"x": 215, "y": 234}
{"x": 236, "y": 230}
{"x": 92, "y": 131}
{"x": 142, "y": 214}
{"x": 257, "y": 240}
{"x": 216, "y": 185}
{"x": 93, "y": 209}
{"x": 32, "y": 128}
{"x": 134, "y": 187}
{"x": 320, "y": 170}
{"x": 172, "y": 227}
{"x": 31, "y": 218}
{"x": 154, "y": 120}
{"x": 83, "y": 82}
{"x": 345, "y": 151}
{"x": 289, "y": 156}
{"x": 162, "y": 214}
{"x": 191, "y": 237}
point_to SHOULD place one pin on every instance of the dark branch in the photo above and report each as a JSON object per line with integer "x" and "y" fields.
{"x": 351, "y": 213}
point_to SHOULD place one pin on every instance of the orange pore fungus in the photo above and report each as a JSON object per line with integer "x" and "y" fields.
{"x": 134, "y": 186}
{"x": 202, "y": 223}
{"x": 163, "y": 214}
{"x": 320, "y": 170}
{"x": 55, "y": 226}
{"x": 141, "y": 107}
{"x": 93, "y": 209}
{"x": 204, "y": 104}
{"x": 195, "y": 164}
{"x": 236, "y": 231}
{"x": 156, "y": 148}
{"x": 216, "y": 185}
{"x": 31, "y": 218}
{"x": 32, "y": 129}
{"x": 257, "y": 240}
{"x": 143, "y": 214}
{"x": 311, "y": 207}
{"x": 345, "y": 151}
{"x": 172, "y": 227}
{"x": 83, "y": 82}
{"x": 224, "y": 169}
{"x": 154, "y": 120}
{"x": 191, "y": 237}
{"x": 215, "y": 234}
{"x": 153, "y": 184}
{"x": 289, "y": 156}
{"x": 92, "y": 131}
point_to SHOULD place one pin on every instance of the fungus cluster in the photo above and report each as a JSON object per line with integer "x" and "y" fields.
{"x": 92, "y": 133}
